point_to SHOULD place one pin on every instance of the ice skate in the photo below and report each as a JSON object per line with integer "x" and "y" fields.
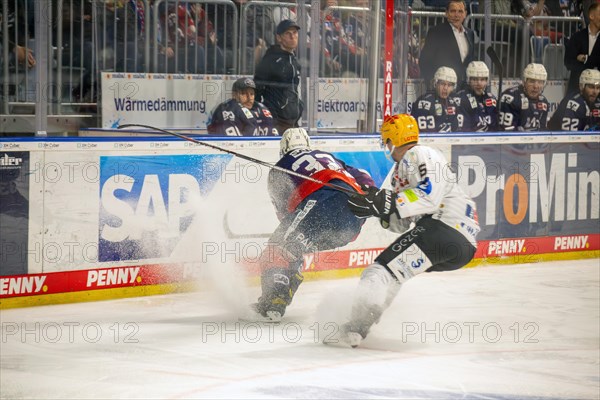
{"x": 363, "y": 317}
{"x": 266, "y": 311}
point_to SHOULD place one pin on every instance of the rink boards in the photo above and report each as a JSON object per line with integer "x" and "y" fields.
{"x": 91, "y": 219}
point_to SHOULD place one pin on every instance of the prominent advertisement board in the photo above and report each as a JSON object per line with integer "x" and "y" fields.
{"x": 141, "y": 215}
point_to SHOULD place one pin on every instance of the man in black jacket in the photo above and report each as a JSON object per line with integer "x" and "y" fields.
{"x": 579, "y": 55}
{"x": 448, "y": 44}
{"x": 277, "y": 78}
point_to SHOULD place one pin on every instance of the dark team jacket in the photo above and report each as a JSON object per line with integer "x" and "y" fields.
{"x": 434, "y": 114}
{"x": 519, "y": 113}
{"x": 574, "y": 114}
{"x": 476, "y": 113}
{"x": 233, "y": 119}
{"x": 288, "y": 191}
{"x": 277, "y": 78}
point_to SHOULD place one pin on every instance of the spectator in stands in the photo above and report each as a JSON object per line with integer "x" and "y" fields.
{"x": 258, "y": 35}
{"x": 448, "y": 44}
{"x": 579, "y": 111}
{"x": 436, "y": 111}
{"x": 18, "y": 28}
{"x": 543, "y": 8}
{"x": 181, "y": 51}
{"x": 242, "y": 115}
{"x": 582, "y": 51}
{"x": 340, "y": 49}
{"x": 207, "y": 38}
{"x": 277, "y": 78}
{"x": 121, "y": 39}
{"x": 77, "y": 47}
{"x": 356, "y": 27}
{"x": 477, "y": 108}
{"x": 524, "y": 107}
{"x": 507, "y": 33}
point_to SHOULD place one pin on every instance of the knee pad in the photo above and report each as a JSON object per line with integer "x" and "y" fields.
{"x": 409, "y": 262}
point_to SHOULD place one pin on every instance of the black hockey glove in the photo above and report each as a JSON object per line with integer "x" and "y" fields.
{"x": 374, "y": 203}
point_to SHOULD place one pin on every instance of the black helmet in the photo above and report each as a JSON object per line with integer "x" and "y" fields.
{"x": 243, "y": 83}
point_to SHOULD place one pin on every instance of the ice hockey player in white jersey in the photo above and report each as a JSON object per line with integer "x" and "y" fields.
{"x": 477, "y": 108}
{"x": 524, "y": 107}
{"x": 436, "y": 219}
{"x": 436, "y": 111}
{"x": 579, "y": 111}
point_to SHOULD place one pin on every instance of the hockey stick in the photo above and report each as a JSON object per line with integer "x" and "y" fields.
{"x": 244, "y": 157}
{"x": 498, "y": 64}
{"x": 232, "y": 235}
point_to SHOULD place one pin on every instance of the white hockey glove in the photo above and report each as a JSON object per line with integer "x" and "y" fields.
{"x": 374, "y": 203}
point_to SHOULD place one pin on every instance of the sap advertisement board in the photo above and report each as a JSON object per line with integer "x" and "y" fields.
{"x": 138, "y": 213}
{"x": 148, "y": 204}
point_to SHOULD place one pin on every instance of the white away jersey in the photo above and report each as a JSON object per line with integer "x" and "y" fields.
{"x": 426, "y": 184}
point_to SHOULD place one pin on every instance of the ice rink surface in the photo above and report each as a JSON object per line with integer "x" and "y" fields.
{"x": 527, "y": 331}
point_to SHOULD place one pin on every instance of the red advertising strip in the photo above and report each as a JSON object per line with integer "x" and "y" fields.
{"x": 517, "y": 249}
{"x": 538, "y": 245}
{"x": 93, "y": 279}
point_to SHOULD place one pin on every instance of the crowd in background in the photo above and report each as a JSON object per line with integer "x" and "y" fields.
{"x": 199, "y": 38}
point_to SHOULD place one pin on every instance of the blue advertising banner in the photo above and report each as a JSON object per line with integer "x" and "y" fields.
{"x": 532, "y": 190}
{"x": 375, "y": 162}
{"x": 146, "y": 201}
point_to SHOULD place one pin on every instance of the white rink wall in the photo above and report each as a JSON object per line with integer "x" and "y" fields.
{"x": 128, "y": 216}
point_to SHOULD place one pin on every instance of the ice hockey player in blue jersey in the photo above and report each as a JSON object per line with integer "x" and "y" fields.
{"x": 579, "y": 111}
{"x": 524, "y": 107}
{"x": 436, "y": 111}
{"x": 241, "y": 115}
{"x": 477, "y": 108}
{"x": 313, "y": 217}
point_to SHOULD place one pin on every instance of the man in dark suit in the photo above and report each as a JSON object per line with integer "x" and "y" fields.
{"x": 449, "y": 44}
{"x": 582, "y": 51}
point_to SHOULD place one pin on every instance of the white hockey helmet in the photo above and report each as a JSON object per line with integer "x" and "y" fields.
{"x": 535, "y": 71}
{"x": 477, "y": 69}
{"x": 589, "y": 77}
{"x": 293, "y": 138}
{"x": 445, "y": 74}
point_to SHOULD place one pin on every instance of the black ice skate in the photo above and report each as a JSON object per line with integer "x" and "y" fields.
{"x": 269, "y": 310}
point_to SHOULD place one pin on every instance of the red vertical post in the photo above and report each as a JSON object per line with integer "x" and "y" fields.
{"x": 389, "y": 47}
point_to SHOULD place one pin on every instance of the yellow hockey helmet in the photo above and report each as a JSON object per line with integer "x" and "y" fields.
{"x": 400, "y": 130}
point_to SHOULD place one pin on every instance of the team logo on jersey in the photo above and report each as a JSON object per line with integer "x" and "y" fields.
{"x": 473, "y": 101}
{"x": 524, "y": 103}
{"x": 542, "y": 106}
{"x": 450, "y": 111}
{"x": 228, "y": 116}
{"x": 247, "y": 113}
{"x": 572, "y": 105}
{"x": 507, "y": 98}
{"x": 424, "y": 105}
{"x": 596, "y": 112}
{"x": 267, "y": 113}
{"x": 472, "y": 213}
{"x": 438, "y": 109}
{"x": 490, "y": 102}
{"x": 425, "y": 185}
